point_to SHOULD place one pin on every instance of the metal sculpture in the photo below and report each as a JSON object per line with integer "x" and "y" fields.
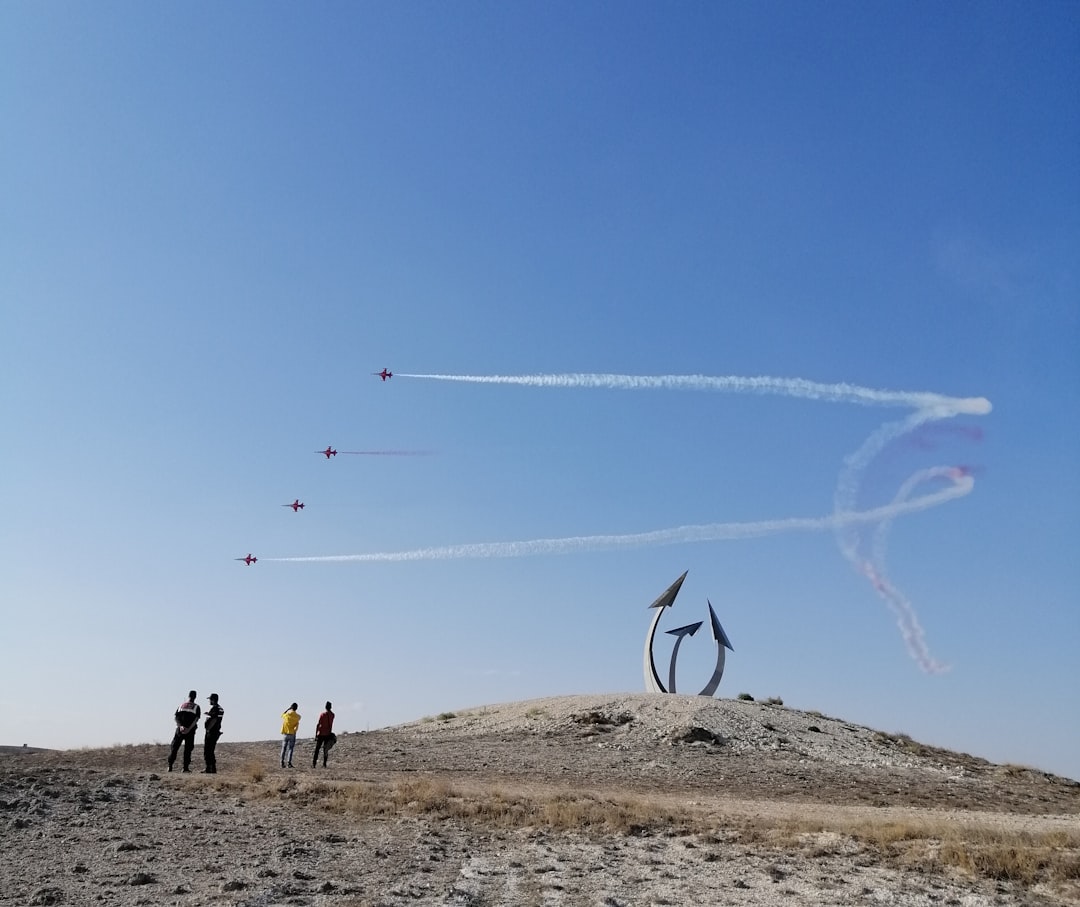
{"x": 653, "y": 684}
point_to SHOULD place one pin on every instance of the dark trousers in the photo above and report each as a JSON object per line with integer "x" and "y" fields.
{"x": 209, "y": 745}
{"x": 188, "y": 740}
{"x": 321, "y": 743}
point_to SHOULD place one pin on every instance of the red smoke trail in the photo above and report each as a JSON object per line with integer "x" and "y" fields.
{"x": 906, "y": 619}
{"x": 388, "y": 453}
{"x": 873, "y": 567}
{"x": 929, "y": 437}
{"x": 921, "y": 429}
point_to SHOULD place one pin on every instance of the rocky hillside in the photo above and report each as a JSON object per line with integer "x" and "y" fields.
{"x": 749, "y": 749}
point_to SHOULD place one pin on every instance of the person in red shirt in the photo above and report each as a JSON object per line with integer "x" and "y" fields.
{"x": 324, "y": 736}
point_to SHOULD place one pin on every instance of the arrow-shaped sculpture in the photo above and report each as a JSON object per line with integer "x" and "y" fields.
{"x": 722, "y": 642}
{"x": 679, "y": 634}
{"x": 666, "y": 600}
{"x": 653, "y": 684}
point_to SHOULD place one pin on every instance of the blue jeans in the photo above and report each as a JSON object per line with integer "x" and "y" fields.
{"x": 288, "y": 744}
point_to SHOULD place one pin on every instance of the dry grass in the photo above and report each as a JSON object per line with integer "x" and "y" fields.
{"x": 937, "y": 846}
{"x": 438, "y": 799}
{"x": 931, "y": 845}
{"x": 1012, "y": 770}
{"x": 434, "y": 798}
{"x": 1023, "y": 858}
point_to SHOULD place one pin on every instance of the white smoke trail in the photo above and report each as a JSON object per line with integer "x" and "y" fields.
{"x": 709, "y": 532}
{"x": 783, "y": 387}
{"x": 846, "y": 521}
{"x": 847, "y": 486}
{"x": 874, "y": 569}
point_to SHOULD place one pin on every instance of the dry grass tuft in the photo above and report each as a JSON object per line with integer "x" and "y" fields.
{"x": 1027, "y": 859}
{"x": 935, "y": 846}
{"x": 438, "y": 799}
{"x": 559, "y": 811}
{"x": 1012, "y": 770}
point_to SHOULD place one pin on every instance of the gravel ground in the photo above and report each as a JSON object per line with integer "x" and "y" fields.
{"x": 111, "y": 827}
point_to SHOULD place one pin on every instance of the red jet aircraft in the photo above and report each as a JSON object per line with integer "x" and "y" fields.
{"x": 384, "y": 374}
{"x": 250, "y": 559}
{"x": 328, "y": 453}
{"x": 295, "y": 505}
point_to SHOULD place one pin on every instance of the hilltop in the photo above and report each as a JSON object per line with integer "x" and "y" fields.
{"x": 608, "y": 800}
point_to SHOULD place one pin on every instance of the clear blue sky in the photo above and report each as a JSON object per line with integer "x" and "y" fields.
{"x": 217, "y": 222}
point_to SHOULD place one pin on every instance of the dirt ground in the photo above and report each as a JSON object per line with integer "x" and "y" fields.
{"x": 706, "y": 802}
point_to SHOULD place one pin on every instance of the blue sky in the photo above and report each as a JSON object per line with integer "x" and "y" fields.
{"x": 218, "y": 222}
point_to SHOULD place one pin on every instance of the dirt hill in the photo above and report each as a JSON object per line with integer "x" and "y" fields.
{"x": 606, "y": 800}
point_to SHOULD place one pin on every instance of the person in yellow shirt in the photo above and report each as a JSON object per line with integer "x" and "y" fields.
{"x": 290, "y": 721}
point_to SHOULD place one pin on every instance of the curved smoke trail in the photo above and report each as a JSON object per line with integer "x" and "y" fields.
{"x": 874, "y": 570}
{"x": 846, "y": 521}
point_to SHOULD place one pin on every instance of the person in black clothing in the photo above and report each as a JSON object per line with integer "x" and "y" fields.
{"x": 213, "y": 731}
{"x": 187, "y": 723}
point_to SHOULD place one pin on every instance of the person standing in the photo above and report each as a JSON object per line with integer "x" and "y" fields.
{"x": 324, "y": 736}
{"x": 212, "y": 728}
{"x": 187, "y": 723}
{"x": 290, "y": 722}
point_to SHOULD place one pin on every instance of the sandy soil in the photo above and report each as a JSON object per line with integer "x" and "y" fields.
{"x": 730, "y": 803}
